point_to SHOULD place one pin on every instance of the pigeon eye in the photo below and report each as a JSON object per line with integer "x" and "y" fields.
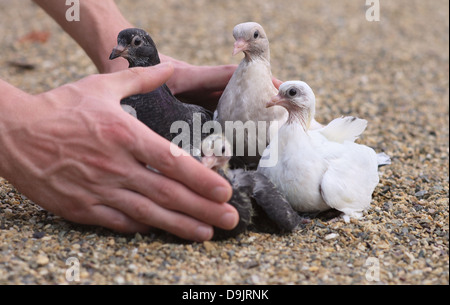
{"x": 292, "y": 92}
{"x": 137, "y": 41}
{"x": 256, "y": 35}
{"x": 223, "y": 149}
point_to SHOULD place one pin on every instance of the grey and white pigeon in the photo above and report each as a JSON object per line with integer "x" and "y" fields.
{"x": 249, "y": 89}
{"x": 322, "y": 169}
{"x": 259, "y": 203}
{"x": 160, "y": 108}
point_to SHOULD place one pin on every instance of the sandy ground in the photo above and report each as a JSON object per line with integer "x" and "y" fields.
{"x": 394, "y": 73}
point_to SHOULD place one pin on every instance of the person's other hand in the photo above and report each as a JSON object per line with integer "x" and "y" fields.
{"x": 201, "y": 85}
{"x": 75, "y": 152}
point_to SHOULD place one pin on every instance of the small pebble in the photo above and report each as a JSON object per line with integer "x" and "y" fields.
{"x": 119, "y": 280}
{"x": 209, "y": 246}
{"x": 420, "y": 194}
{"x": 42, "y": 260}
{"x": 38, "y": 235}
{"x": 331, "y": 236}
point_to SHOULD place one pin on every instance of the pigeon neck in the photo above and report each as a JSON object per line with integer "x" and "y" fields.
{"x": 141, "y": 62}
{"x": 144, "y": 59}
{"x": 302, "y": 117}
{"x": 255, "y": 56}
{"x": 295, "y": 129}
{"x": 223, "y": 167}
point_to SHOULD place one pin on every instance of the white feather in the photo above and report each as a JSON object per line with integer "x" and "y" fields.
{"x": 130, "y": 110}
{"x": 251, "y": 87}
{"x": 344, "y": 129}
{"x": 247, "y": 93}
{"x": 383, "y": 159}
{"x": 322, "y": 169}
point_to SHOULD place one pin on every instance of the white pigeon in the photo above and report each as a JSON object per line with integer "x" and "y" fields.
{"x": 320, "y": 169}
{"x": 244, "y": 99}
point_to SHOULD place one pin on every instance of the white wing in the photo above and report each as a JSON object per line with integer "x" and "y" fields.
{"x": 344, "y": 129}
{"x": 350, "y": 180}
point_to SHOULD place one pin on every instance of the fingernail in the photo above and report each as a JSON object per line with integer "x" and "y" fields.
{"x": 204, "y": 233}
{"x": 229, "y": 221}
{"x": 221, "y": 194}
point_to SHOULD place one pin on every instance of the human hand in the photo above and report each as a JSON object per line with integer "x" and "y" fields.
{"x": 201, "y": 85}
{"x": 75, "y": 152}
{"x": 276, "y": 82}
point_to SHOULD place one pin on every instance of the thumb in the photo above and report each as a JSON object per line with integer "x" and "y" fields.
{"x": 138, "y": 80}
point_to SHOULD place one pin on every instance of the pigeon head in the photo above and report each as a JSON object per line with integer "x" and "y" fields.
{"x": 298, "y": 99}
{"x": 252, "y": 40}
{"x": 136, "y": 46}
{"x": 216, "y": 151}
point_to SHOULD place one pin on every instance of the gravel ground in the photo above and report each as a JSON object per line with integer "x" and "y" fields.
{"x": 394, "y": 73}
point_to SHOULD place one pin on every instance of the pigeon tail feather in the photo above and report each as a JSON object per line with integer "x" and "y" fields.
{"x": 344, "y": 129}
{"x": 383, "y": 159}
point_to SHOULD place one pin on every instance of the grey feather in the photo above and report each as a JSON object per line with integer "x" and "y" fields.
{"x": 160, "y": 108}
{"x": 259, "y": 203}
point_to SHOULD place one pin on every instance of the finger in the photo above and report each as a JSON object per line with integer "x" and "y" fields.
{"x": 215, "y": 78}
{"x": 174, "y": 196}
{"x": 276, "y": 82}
{"x": 113, "y": 219}
{"x": 175, "y": 163}
{"x": 138, "y": 80}
{"x": 145, "y": 211}
{"x": 205, "y": 78}
{"x": 202, "y": 98}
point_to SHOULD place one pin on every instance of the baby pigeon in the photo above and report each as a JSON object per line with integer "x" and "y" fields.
{"x": 247, "y": 92}
{"x": 160, "y": 108}
{"x": 257, "y": 200}
{"x": 320, "y": 169}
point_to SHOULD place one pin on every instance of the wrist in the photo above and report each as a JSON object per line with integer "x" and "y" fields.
{"x": 11, "y": 103}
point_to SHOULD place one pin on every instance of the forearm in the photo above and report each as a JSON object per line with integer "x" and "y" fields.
{"x": 12, "y": 102}
{"x": 96, "y": 32}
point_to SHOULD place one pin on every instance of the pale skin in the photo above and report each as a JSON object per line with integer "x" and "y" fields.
{"x": 82, "y": 157}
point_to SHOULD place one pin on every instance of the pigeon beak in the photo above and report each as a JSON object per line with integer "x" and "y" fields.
{"x": 240, "y": 46}
{"x": 277, "y": 100}
{"x": 118, "y": 51}
{"x": 209, "y": 161}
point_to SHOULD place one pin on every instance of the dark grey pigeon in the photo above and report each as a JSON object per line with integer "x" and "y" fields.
{"x": 258, "y": 201}
{"x": 160, "y": 108}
